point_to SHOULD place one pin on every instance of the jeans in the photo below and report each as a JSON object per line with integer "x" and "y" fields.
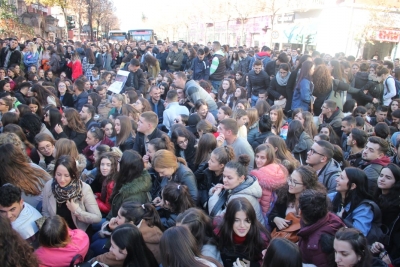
{"x": 97, "y": 245}
{"x": 253, "y": 100}
{"x": 216, "y": 85}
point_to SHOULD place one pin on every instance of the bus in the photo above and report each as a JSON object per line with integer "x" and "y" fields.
{"x": 116, "y": 36}
{"x": 142, "y": 35}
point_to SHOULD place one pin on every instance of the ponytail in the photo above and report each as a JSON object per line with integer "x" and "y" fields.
{"x": 178, "y": 197}
{"x": 135, "y": 212}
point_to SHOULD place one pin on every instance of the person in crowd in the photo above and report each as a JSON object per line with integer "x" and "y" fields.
{"x": 87, "y": 116}
{"x": 389, "y": 87}
{"x": 302, "y": 178}
{"x": 380, "y": 116}
{"x": 14, "y": 134}
{"x": 94, "y": 99}
{"x": 75, "y": 65}
{"x": 253, "y": 121}
{"x": 22, "y": 93}
{"x": 73, "y": 128}
{"x": 386, "y": 197}
{"x": 331, "y": 115}
{"x": 200, "y": 225}
{"x": 156, "y": 103}
{"x": 59, "y": 244}
{"x": 66, "y": 195}
{"x": 80, "y": 95}
{"x": 348, "y": 200}
{"x": 270, "y": 175}
{"x": 278, "y": 251}
{"x": 180, "y": 246}
{"x": 306, "y": 118}
{"x": 173, "y": 109}
{"x": 21, "y": 215}
{"x": 351, "y": 248}
{"x": 127, "y": 245}
{"x": 173, "y": 169}
{"x": 200, "y": 66}
{"x": 280, "y": 126}
{"x": 298, "y": 141}
{"x": 258, "y": 80}
{"x": 320, "y": 158}
{"x": 117, "y": 101}
{"x": 226, "y": 91}
{"x": 240, "y": 236}
{"x": 16, "y": 170}
{"x": 174, "y": 59}
{"x": 282, "y": 153}
{"x": 185, "y": 143}
{"x": 374, "y": 159}
{"x": 146, "y": 131}
{"x": 318, "y": 226}
{"x": 35, "y": 106}
{"x": 107, "y": 126}
{"x": 236, "y": 183}
{"x": 145, "y": 217}
{"x": 348, "y": 123}
{"x": 239, "y": 95}
{"x": 123, "y": 129}
{"x": 277, "y": 87}
{"x": 15, "y": 250}
{"x": 136, "y": 77}
{"x": 94, "y": 138}
{"x": 42, "y": 153}
{"x": 303, "y": 88}
{"x": 240, "y": 115}
{"x": 356, "y": 140}
{"x": 264, "y": 128}
{"x": 10, "y": 54}
{"x": 52, "y": 118}
{"x": 218, "y": 66}
{"x": 207, "y": 143}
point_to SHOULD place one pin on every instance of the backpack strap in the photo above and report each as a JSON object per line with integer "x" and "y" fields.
{"x": 375, "y": 209}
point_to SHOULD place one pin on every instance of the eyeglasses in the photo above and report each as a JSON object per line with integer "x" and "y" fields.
{"x": 312, "y": 152}
{"x": 45, "y": 147}
{"x": 46, "y": 114}
{"x": 183, "y": 142}
{"x": 293, "y": 182}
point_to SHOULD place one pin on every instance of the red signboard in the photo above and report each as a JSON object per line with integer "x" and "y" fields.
{"x": 388, "y": 36}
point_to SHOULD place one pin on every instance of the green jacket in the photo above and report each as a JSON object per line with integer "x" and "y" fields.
{"x": 137, "y": 190}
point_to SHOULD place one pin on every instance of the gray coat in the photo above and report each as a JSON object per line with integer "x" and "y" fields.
{"x": 328, "y": 174}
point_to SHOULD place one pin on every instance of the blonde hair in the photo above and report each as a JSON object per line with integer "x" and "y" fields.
{"x": 33, "y": 47}
{"x": 279, "y": 121}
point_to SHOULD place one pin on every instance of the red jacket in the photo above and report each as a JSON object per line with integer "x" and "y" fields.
{"x": 89, "y": 153}
{"x": 76, "y": 69}
{"x": 62, "y": 257}
{"x": 104, "y": 204}
{"x": 310, "y": 245}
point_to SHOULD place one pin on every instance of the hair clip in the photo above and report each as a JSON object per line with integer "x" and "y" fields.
{"x": 179, "y": 186}
{"x": 143, "y": 206}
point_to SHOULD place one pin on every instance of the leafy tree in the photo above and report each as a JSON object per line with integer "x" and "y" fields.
{"x": 10, "y": 24}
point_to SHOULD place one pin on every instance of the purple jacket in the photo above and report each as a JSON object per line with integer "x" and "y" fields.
{"x": 309, "y": 242}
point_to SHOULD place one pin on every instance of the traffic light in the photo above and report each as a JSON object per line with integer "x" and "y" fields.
{"x": 70, "y": 23}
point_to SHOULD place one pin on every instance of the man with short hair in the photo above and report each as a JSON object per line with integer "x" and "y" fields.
{"x": 218, "y": 66}
{"x": 245, "y": 62}
{"x": 174, "y": 59}
{"x": 228, "y": 135}
{"x": 21, "y": 215}
{"x": 80, "y": 96}
{"x": 332, "y": 115}
{"x": 258, "y": 80}
{"x": 380, "y": 115}
{"x": 194, "y": 92}
{"x": 156, "y": 103}
{"x": 264, "y": 56}
{"x": 396, "y": 119}
{"x": 173, "y": 109}
{"x": 200, "y": 67}
{"x": 95, "y": 75}
{"x": 162, "y": 56}
{"x": 135, "y": 78}
{"x": 146, "y": 131}
{"x": 273, "y": 66}
{"x": 348, "y": 123}
{"x": 10, "y": 54}
{"x": 320, "y": 158}
{"x": 356, "y": 141}
{"x": 374, "y": 159}
{"x": 87, "y": 113}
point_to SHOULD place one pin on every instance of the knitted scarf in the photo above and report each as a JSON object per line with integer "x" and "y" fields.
{"x": 282, "y": 81}
{"x": 71, "y": 191}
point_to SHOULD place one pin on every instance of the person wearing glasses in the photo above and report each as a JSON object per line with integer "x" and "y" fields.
{"x": 320, "y": 158}
{"x": 42, "y": 153}
{"x": 302, "y": 178}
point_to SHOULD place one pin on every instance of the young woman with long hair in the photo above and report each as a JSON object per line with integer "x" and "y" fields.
{"x": 154, "y": 145}
{"x": 200, "y": 225}
{"x": 239, "y": 94}
{"x": 35, "y": 106}
{"x": 252, "y": 123}
{"x": 117, "y": 101}
{"x": 127, "y": 244}
{"x": 43, "y": 95}
{"x": 304, "y": 87}
{"x": 280, "y": 126}
{"x": 207, "y": 143}
{"x": 76, "y": 66}
{"x": 347, "y": 201}
{"x": 306, "y": 118}
{"x": 278, "y": 251}
{"x": 73, "y": 128}
{"x": 185, "y": 144}
{"x": 109, "y": 129}
{"x": 201, "y": 108}
{"x": 304, "y": 177}
{"x": 153, "y": 66}
{"x": 322, "y": 80}
{"x": 241, "y": 237}
{"x": 59, "y": 244}
{"x": 179, "y": 248}
{"x": 226, "y": 91}
{"x": 326, "y": 129}
{"x": 107, "y": 57}
{"x": 94, "y": 138}
{"x": 145, "y": 217}
{"x": 282, "y": 153}
{"x": 88, "y": 63}
{"x": 142, "y": 105}
{"x": 175, "y": 200}
{"x": 27, "y": 146}
{"x": 123, "y": 130}
{"x": 15, "y": 251}
{"x": 16, "y": 170}
{"x": 66, "y": 98}
{"x": 173, "y": 169}
{"x": 66, "y": 195}
{"x": 298, "y": 141}
{"x": 277, "y": 88}
{"x": 52, "y": 118}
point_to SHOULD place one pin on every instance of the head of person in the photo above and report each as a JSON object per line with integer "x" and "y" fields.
{"x": 148, "y": 121}
{"x": 134, "y": 212}
{"x": 54, "y": 233}
{"x": 31, "y": 125}
{"x": 65, "y": 171}
{"x": 382, "y": 130}
{"x": 351, "y": 248}
{"x": 357, "y": 138}
{"x": 45, "y": 144}
{"x": 94, "y": 136}
{"x": 107, "y": 163}
{"x": 87, "y": 113}
{"x": 235, "y": 172}
{"x": 257, "y": 67}
{"x": 224, "y": 112}
{"x": 353, "y": 185}
{"x": 349, "y": 105}
{"x": 313, "y": 205}
{"x": 155, "y": 93}
{"x": 64, "y": 146}
{"x": 219, "y": 157}
{"x": 108, "y": 128}
{"x": 201, "y": 108}
{"x": 165, "y": 163}
{"x": 180, "y": 79}
{"x": 278, "y": 251}
{"x": 320, "y": 154}
{"x": 389, "y": 180}
{"x": 123, "y": 128}
{"x": 328, "y": 108}
{"x": 396, "y": 116}
{"x": 159, "y": 143}
{"x": 117, "y": 101}
{"x": 264, "y": 155}
{"x": 176, "y": 197}
{"x": 375, "y": 148}
{"x": 228, "y": 127}
{"x": 348, "y": 123}
{"x": 127, "y": 245}
{"x": 381, "y": 113}
{"x": 11, "y": 202}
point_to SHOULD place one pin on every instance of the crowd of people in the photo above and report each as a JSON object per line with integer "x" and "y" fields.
{"x": 209, "y": 156}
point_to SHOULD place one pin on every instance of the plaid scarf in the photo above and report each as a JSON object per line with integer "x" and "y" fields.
{"x": 63, "y": 194}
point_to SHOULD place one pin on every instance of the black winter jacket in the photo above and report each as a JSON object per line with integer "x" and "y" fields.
{"x": 275, "y": 91}
{"x": 257, "y": 82}
{"x": 139, "y": 145}
{"x": 136, "y": 80}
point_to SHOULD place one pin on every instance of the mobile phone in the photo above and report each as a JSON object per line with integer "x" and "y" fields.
{"x": 96, "y": 264}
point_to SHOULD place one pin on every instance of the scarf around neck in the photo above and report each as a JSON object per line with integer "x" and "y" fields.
{"x": 71, "y": 191}
{"x": 282, "y": 81}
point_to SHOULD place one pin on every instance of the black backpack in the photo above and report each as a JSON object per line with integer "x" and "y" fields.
{"x": 376, "y": 234}
{"x": 63, "y": 63}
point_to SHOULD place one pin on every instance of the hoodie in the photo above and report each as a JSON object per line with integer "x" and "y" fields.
{"x": 328, "y": 174}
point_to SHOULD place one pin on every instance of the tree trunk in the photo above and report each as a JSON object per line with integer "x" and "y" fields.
{"x": 66, "y": 22}
{"x": 90, "y": 18}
